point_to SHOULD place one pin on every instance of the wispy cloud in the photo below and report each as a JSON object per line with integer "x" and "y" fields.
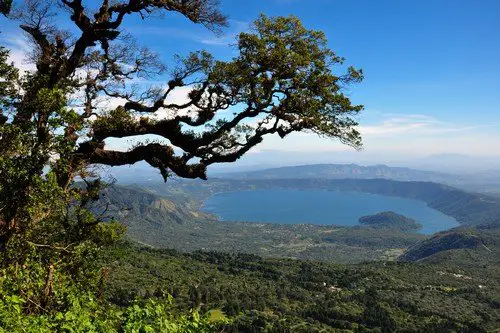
{"x": 228, "y": 38}
{"x": 397, "y": 135}
{"x": 204, "y": 37}
{"x": 19, "y": 50}
{"x": 394, "y": 125}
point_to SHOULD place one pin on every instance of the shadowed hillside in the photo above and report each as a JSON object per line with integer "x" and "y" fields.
{"x": 466, "y": 246}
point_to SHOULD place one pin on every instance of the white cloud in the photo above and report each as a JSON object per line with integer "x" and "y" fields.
{"x": 395, "y": 125}
{"x": 177, "y": 96}
{"x": 397, "y": 135}
{"x": 19, "y": 49}
{"x": 301, "y": 142}
{"x": 228, "y": 38}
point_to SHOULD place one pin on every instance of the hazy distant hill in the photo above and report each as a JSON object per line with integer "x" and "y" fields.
{"x": 340, "y": 171}
{"x": 485, "y": 182}
{"x": 457, "y": 163}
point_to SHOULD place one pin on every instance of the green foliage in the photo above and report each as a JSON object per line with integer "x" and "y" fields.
{"x": 281, "y": 295}
{"x": 85, "y": 314}
{"x": 155, "y": 316}
{"x": 9, "y": 76}
{"x": 390, "y": 220}
{"x": 281, "y": 60}
{"x": 114, "y": 120}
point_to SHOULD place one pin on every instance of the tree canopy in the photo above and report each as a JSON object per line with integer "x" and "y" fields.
{"x": 54, "y": 126}
{"x": 281, "y": 81}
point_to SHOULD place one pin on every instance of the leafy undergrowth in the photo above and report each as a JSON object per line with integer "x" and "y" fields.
{"x": 84, "y": 312}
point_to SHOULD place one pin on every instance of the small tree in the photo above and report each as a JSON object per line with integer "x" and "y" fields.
{"x": 52, "y": 127}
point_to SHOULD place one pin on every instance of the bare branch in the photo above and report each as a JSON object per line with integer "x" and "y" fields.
{"x": 157, "y": 155}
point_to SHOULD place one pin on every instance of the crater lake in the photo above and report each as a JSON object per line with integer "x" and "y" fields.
{"x": 289, "y": 206}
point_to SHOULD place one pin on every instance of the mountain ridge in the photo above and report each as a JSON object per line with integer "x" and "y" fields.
{"x": 340, "y": 171}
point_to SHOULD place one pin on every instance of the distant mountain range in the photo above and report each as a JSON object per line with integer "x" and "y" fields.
{"x": 341, "y": 171}
{"x": 487, "y": 182}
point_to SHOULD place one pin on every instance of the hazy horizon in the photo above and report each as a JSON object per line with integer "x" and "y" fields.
{"x": 448, "y": 163}
{"x": 143, "y": 171}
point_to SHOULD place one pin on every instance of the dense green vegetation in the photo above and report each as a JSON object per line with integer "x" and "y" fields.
{"x": 454, "y": 289}
{"x": 281, "y": 295}
{"x": 246, "y": 293}
{"x": 390, "y": 220}
{"x": 86, "y": 314}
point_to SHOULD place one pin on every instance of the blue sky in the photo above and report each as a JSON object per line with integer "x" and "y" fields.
{"x": 432, "y": 71}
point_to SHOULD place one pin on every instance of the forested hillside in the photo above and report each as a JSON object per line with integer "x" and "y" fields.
{"x": 454, "y": 289}
{"x": 279, "y": 295}
{"x": 469, "y": 246}
{"x": 389, "y": 219}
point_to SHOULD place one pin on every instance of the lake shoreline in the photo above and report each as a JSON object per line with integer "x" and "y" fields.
{"x": 221, "y": 214}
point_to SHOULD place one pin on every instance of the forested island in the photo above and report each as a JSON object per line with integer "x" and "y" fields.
{"x": 390, "y": 219}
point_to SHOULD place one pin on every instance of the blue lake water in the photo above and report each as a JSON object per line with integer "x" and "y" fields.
{"x": 320, "y": 207}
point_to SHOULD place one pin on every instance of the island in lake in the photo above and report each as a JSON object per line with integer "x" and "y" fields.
{"x": 390, "y": 220}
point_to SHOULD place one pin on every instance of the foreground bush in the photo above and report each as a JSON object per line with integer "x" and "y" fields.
{"x": 86, "y": 314}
